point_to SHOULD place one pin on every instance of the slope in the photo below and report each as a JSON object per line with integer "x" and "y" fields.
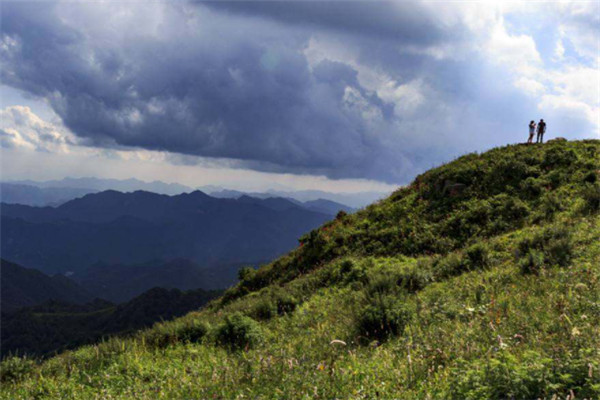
{"x": 480, "y": 280}
{"x": 22, "y": 287}
{"x": 55, "y": 326}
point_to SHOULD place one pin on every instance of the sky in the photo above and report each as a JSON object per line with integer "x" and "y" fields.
{"x": 334, "y": 95}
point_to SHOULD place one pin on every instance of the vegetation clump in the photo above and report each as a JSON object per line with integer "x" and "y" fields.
{"x": 238, "y": 332}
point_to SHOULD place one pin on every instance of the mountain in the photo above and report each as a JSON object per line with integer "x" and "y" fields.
{"x": 22, "y": 287}
{"x": 279, "y": 203}
{"x": 327, "y": 206}
{"x": 58, "y": 325}
{"x": 39, "y": 196}
{"x": 479, "y": 280}
{"x": 111, "y": 227}
{"x": 100, "y": 184}
{"x": 352, "y": 200}
{"x": 119, "y": 283}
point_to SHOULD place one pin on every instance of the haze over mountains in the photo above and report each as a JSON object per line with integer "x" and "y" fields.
{"x": 217, "y": 236}
{"x": 56, "y": 192}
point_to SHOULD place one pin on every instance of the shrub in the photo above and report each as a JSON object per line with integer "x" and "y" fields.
{"x": 532, "y": 262}
{"x": 414, "y": 279}
{"x": 285, "y": 302}
{"x": 591, "y": 196}
{"x": 381, "y": 283}
{"x": 382, "y": 317}
{"x": 160, "y": 336}
{"x": 238, "y": 332}
{"x": 167, "y": 334}
{"x": 246, "y": 273}
{"x": 264, "y": 309}
{"x": 341, "y": 215}
{"x": 559, "y": 251}
{"x": 452, "y": 264}
{"x": 590, "y": 177}
{"x": 549, "y": 204}
{"x": 559, "y": 156}
{"x": 553, "y": 246}
{"x": 533, "y": 187}
{"x": 478, "y": 256}
{"x": 15, "y": 368}
{"x": 193, "y": 331}
{"x": 530, "y": 375}
{"x": 502, "y": 377}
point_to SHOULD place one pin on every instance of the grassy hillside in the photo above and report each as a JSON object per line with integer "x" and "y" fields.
{"x": 479, "y": 280}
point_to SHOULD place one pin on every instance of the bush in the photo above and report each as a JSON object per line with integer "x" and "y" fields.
{"x": 382, "y": 317}
{"x": 170, "y": 333}
{"x": 341, "y": 215}
{"x": 264, "y": 310}
{"x": 591, "y": 177}
{"x": 532, "y": 262}
{"x": 193, "y": 331}
{"x": 478, "y": 256}
{"x": 591, "y": 196}
{"x": 285, "y": 302}
{"x": 559, "y": 156}
{"x": 552, "y": 246}
{"x": 559, "y": 251}
{"x": 15, "y": 368}
{"x": 452, "y": 264}
{"x": 530, "y": 375}
{"x": 381, "y": 283}
{"x": 246, "y": 273}
{"x": 238, "y": 332}
{"x": 414, "y": 279}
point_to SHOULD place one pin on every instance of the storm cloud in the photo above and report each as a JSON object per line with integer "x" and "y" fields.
{"x": 342, "y": 89}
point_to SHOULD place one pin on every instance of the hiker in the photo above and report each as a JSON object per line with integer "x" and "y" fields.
{"x": 541, "y": 129}
{"x": 531, "y": 132}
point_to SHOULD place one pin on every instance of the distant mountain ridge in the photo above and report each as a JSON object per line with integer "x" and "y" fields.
{"x": 24, "y": 287}
{"x": 56, "y": 192}
{"x": 353, "y": 200}
{"x": 112, "y": 227}
{"x": 100, "y": 184}
{"x": 37, "y": 196}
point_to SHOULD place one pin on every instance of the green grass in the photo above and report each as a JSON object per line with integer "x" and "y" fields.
{"x": 463, "y": 312}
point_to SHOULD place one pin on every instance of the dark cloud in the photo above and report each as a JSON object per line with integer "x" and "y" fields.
{"x": 231, "y": 80}
{"x": 403, "y": 22}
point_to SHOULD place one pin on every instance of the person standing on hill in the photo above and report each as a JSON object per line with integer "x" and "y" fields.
{"x": 541, "y": 129}
{"x": 531, "y": 131}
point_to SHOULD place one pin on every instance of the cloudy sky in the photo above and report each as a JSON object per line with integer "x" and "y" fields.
{"x": 334, "y": 95}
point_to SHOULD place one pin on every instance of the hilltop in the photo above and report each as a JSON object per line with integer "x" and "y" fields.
{"x": 479, "y": 280}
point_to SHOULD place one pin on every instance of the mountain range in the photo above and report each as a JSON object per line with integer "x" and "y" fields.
{"x": 111, "y": 227}
{"x": 56, "y": 192}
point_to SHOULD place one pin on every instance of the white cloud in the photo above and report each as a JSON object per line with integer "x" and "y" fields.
{"x": 34, "y": 148}
{"x": 25, "y": 129}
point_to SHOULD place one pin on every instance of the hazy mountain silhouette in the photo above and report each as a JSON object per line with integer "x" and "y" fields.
{"x": 30, "y": 195}
{"x": 23, "y": 287}
{"x": 100, "y": 184}
{"x": 353, "y": 200}
{"x": 111, "y": 227}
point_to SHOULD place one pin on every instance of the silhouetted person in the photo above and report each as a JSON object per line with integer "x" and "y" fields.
{"x": 531, "y": 131}
{"x": 541, "y": 129}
